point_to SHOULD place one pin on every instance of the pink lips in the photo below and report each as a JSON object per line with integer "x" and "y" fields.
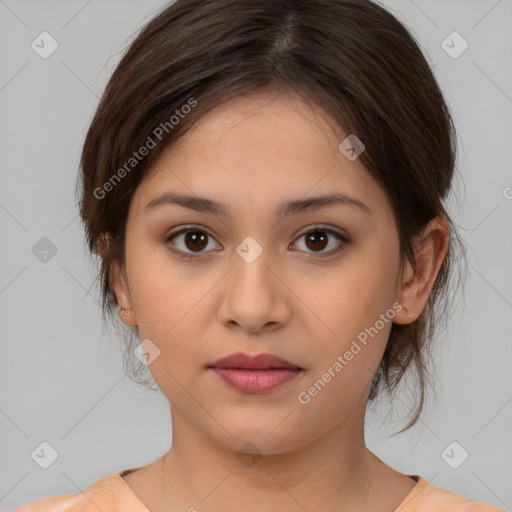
{"x": 255, "y": 374}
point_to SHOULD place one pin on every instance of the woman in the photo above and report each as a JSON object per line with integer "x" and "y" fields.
{"x": 264, "y": 183}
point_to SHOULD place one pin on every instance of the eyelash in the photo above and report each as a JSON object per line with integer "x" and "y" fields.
{"x": 187, "y": 229}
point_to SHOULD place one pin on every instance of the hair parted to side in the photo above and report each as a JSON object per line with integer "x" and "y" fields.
{"x": 352, "y": 59}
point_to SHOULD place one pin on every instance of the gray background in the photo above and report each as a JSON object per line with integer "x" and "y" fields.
{"x": 62, "y": 378}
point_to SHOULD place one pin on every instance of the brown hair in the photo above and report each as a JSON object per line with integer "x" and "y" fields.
{"x": 351, "y": 58}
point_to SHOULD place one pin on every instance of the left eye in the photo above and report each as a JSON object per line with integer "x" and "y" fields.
{"x": 317, "y": 239}
{"x": 196, "y": 240}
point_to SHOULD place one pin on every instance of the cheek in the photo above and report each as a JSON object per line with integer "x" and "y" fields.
{"x": 171, "y": 306}
{"x": 355, "y": 306}
{"x": 352, "y": 297}
{"x": 343, "y": 369}
{"x": 161, "y": 291}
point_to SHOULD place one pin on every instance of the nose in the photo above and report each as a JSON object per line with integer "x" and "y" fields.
{"x": 254, "y": 297}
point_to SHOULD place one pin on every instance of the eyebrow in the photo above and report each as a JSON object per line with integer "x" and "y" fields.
{"x": 284, "y": 209}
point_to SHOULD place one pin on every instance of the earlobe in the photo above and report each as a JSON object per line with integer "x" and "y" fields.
{"x": 123, "y": 296}
{"x": 431, "y": 248}
{"x": 127, "y": 315}
{"x": 118, "y": 281}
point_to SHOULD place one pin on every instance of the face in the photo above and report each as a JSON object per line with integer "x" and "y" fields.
{"x": 316, "y": 286}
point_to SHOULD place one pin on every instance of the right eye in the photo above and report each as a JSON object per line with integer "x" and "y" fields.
{"x": 194, "y": 238}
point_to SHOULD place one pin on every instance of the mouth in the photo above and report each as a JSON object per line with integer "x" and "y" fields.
{"x": 255, "y": 374}
{"x": 270, "y": 368}
{"x": 250, "y": 380}
{"x": 260, "y": 362}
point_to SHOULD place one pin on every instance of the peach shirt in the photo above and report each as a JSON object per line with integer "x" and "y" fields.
{"x": 112, "y": 494}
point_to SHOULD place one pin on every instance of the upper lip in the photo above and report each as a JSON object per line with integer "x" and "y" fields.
{"x": 257, "y": 362}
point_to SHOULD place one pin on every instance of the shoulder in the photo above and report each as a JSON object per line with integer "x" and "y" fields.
{"x": 425, "y": 497}
{"x": 97, "y": 496}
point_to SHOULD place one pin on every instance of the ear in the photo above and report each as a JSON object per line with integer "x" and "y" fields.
{"x": 431, "y": 247}
{"x": 118, "y": 280}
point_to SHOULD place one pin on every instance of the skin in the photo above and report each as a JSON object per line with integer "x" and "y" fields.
{"x": 294, "y": 301}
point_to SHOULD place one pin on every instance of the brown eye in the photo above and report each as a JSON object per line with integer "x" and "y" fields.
{"x": 189, "y": 241}
{"x": 195, "y": 240}
{"x": 318, "y": 238}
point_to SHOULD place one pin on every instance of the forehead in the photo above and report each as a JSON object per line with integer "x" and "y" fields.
{"x": 261, "y": 127}
{"x": 259, "y": 149}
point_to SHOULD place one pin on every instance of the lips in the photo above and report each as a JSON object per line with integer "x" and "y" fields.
{"x": 258, "y": 362}
{"x": 256, "y": 381}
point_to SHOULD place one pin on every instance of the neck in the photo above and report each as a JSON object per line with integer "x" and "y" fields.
{"x": 333, "y": 472}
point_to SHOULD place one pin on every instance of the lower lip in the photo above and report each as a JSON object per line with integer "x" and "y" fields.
{"x": 256, "y": 381}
